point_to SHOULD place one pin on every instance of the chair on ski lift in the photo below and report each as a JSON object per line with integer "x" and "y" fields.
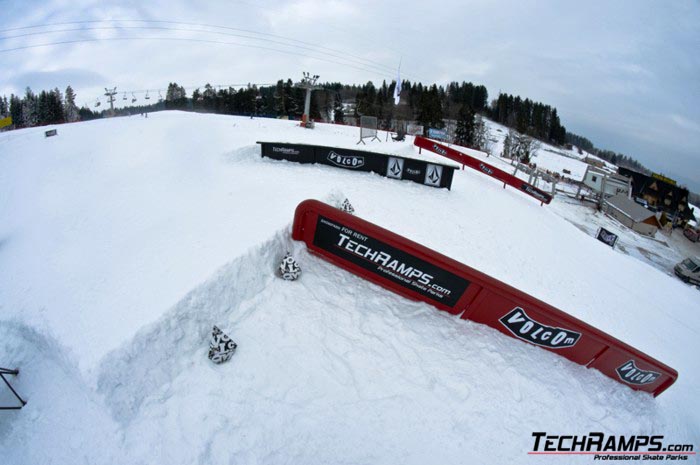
{"x": 147, "y": 97}
{"x": 133, "y": 98}
{"x": 98, "y": 103}
{"x": 124, "y": 96}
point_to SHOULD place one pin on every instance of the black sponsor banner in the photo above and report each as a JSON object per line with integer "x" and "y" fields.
{"x": 291, "y": 152}
{"x": 389, "y": 262}
{"x": 391, "y": 166}
{"x": 606, "y": 237}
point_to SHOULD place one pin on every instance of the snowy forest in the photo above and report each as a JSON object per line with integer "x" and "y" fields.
{"x": 427, "y": 105}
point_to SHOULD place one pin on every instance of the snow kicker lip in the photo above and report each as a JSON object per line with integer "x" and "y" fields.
{"x": 416, "y": 272}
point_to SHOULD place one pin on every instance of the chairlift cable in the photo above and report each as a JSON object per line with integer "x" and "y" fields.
{"x": 160, "y": 28}
{"x": 315, "y": 47}
{"x": 181, "y": 39}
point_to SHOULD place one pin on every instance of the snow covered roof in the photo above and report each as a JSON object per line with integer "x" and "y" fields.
{"x": 629, "y": 207}
{"x": 611, "y": 176}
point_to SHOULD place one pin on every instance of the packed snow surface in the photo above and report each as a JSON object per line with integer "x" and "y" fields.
{"x": 123, "y": 241}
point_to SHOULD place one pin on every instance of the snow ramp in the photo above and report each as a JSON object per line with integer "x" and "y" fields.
{"x": 62, "y": 410}
{"x": 334, "y": 369}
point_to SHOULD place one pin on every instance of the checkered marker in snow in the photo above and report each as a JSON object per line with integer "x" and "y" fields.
{"x": 289, "y": 268}
{"x": 347, "y": 207}
{"x": 221, "y": 347}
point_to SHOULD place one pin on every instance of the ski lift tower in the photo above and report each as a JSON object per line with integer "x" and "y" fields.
{"x": 308, "y": 83}
{"x": 110, "y": 98}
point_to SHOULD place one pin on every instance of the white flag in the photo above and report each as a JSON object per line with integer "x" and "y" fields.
{"x": 397, "y": 89}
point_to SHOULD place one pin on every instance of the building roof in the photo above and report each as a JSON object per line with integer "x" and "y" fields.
{"x": 614, "y": 176}
{"x": 629, "y": 208}
{"x": 646, "y": 185}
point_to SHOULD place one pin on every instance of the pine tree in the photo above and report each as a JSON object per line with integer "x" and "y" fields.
{"x": 209, "y": 98}
{"x": 295, "y": 97}
{"x": 338, "y": 113}
{"x": 430, "y": 108}
{"x": 16, "y": 111}
{"x": 55, "y": 107}
{"x": 196, "y": 100}
{"x": 70, "y": 110}
{"x": 175, "y": 97}
{"x": 481, "y": 135}
{"x": 464, "y": 133}
{"x": 508, "y": 146}
{"x": 29, "y": 108}
{"x": 366, "y": 100}
{"x": 280, "y": 106}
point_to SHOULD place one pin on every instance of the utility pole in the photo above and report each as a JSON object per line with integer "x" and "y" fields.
{"x": 308, "y": 82}
{"x": 110, "y": 98}
{"x": 604, "y": 183}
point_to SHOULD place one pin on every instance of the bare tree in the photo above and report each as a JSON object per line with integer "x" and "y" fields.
{"x": 527, "y": 146}
{"x": 510, "y": 145}
{"x": 482, "y": 135}
{"x": 520, "y": 147}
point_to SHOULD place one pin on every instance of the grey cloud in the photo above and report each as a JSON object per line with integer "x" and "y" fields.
{"x": 624, "y": 74}
{"x": 39, "y": 80}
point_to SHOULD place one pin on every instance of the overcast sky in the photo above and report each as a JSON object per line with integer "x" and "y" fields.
{"x": 625, "y": 74}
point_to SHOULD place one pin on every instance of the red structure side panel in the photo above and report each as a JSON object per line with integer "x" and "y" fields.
{"x": 416, "y": 272}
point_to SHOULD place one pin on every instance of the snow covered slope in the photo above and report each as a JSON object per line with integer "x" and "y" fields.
{"x": 123, "y": 241}
{"x": 549, "y": 157}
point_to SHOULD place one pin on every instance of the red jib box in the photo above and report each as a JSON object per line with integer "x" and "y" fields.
{"x": 422, "y": 274}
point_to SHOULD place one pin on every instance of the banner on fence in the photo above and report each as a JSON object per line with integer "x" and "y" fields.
{"x": 419, "y": 273}
{"x": 439, "y": 134}
{"x": 414, "y": 129}
{"x": 487, "y": 169}
{"x": 606, "y": 237}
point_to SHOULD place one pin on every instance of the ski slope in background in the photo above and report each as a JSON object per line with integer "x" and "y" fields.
{"x": 123, "y": 241}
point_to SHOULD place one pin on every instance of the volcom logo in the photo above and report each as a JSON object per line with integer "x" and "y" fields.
{"x": 433, "y": 175}
{"x": 629, "y": 373}
{"x": 527, "y": 329}
{"x": 346, "y": 161}
{"x": 438, "y": 149}
{"x": 394, "y": 167}
{"x": 486, "y": 169}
